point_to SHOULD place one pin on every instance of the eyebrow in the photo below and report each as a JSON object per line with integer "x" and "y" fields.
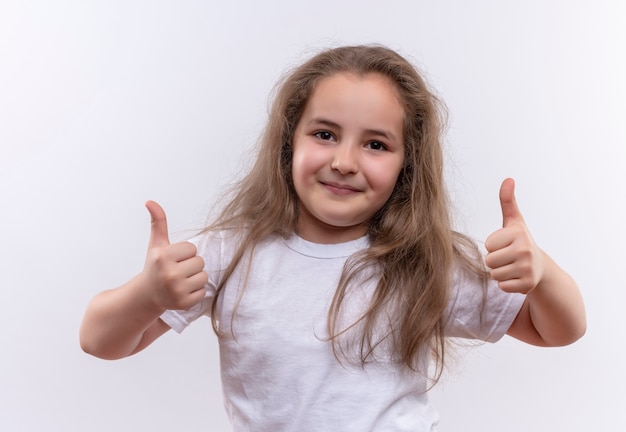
{"x": 330, "y": 123}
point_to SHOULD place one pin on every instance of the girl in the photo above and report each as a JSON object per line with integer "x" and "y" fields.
{"x": 333, "y": 277}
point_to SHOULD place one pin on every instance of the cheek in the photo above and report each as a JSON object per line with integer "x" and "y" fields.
{"x": 297, "y": 168}
{"x": 300, "y": 170}
{"x": 305, "y": 162}
{"x": 385, "y": 179}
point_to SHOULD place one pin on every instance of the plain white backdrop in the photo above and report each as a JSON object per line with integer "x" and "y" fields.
{"x": 104, "y": 105}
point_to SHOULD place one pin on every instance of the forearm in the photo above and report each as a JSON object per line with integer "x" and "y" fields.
{"x": 556, "y": 308}
{"x": 116, "y": 320}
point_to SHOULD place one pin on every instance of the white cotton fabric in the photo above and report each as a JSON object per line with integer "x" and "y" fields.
{"x": 278, "y": 369}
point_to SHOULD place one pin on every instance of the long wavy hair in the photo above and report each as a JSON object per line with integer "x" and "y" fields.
{"x": 413, "y": 247}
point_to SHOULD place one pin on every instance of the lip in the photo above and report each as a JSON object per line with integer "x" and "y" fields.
{"x": 340, "y": 189}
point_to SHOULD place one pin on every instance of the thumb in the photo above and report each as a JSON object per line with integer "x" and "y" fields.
{"x": 510, "y": 211}
{"x": 158, "y": 230}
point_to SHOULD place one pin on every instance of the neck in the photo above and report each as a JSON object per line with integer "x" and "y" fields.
{"x": 328, "y": 234}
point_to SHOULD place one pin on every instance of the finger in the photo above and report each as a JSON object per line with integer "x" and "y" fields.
{"x": 513, "y": 286}
{"x": 182, "y": 251}
{"x": 499, "y": 258}
{"x": 195, "y": 291}
{"x": 499, "y": 240}
{"x": 158, "y": 229}
{"x": 510, "y": 211}
{"x": 199, "y": 281}
{"x": 191, "y": 266}
{"x": 504, "y": 273}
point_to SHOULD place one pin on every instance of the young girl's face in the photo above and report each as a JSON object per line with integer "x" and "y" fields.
{"x": 347, "y": 153}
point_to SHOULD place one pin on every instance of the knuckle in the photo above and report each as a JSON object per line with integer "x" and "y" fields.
{"x": 204, "y": 278}
{"x": 198, "y": 262}
{"x": 187, "y": 248}
{"x": 160, "y": 259}
{"x": 493, "y": 273}
{"x": 171, "y": 279}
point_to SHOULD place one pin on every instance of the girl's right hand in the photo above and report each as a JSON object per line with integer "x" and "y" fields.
{"x": 173, "y": 274}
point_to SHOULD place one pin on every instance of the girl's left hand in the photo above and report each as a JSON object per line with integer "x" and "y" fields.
{"x": 516, "y": 262}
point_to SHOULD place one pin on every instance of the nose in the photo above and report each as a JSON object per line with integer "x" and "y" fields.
{"x": 345, "y": 159}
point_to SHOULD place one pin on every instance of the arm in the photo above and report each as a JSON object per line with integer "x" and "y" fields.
{"x": 125, "y": 320}
{"x": 121, "y": 322}
{"x": 553, "y": 313}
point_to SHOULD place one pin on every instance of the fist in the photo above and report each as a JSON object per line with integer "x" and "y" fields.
{"x": 514, "y": 259}
{"x": 174, "y": 273}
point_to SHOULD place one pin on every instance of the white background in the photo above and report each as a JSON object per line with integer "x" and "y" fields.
{"x": 104, "y": 105}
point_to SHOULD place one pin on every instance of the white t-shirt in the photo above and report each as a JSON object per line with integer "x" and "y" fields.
{"x": 278, "y": 369}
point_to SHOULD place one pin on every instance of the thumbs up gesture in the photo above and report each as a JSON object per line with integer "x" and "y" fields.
{"x": 516, "y": 262}
{"x": 173, "y": 273}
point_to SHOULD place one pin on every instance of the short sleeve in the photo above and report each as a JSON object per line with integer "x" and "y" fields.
{"x": 210, "y": 248}
{"x": 480, "y": 312}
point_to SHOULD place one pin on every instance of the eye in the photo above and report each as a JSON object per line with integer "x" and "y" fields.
{"x": 324, "y": 135}
{"x": 376, "y": 145}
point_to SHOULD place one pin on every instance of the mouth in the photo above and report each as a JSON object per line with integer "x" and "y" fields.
{"x": 340, "y": 189}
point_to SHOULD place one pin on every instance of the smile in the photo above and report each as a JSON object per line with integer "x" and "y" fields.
{"x": 340, "y": 189}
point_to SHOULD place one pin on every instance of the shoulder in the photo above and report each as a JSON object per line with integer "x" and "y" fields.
{"x": 217, "y": 247}
{"x": 211, "y": 239}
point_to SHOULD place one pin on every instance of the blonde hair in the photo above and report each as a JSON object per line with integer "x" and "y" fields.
{"x": 413, "y": 247}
